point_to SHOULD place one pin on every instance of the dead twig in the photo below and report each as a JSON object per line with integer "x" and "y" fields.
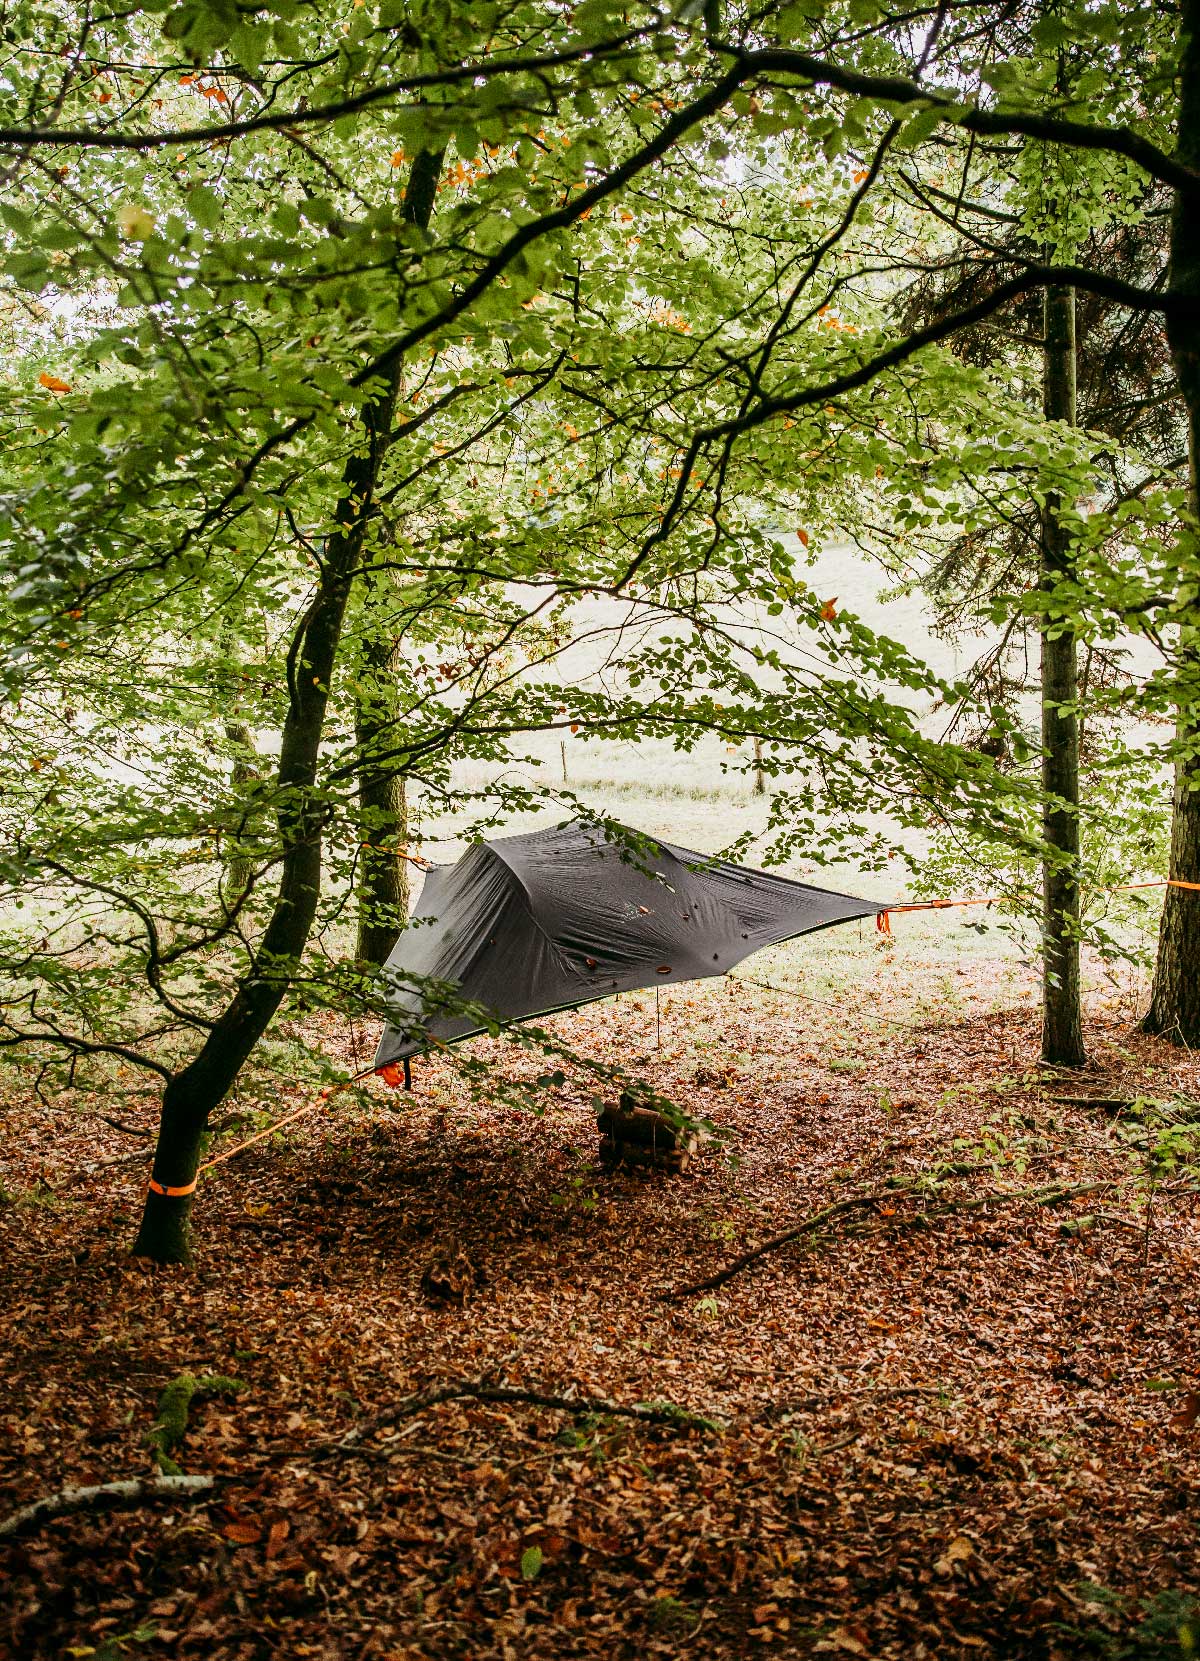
{"x": 107, "y": 1496}
{"x": 657, "y": 1413}
{"x": 825, "y": 1215}
{"x": 834, "y": 1447}
{"x": 1043, "y": 1194}
{"x": 1110, "y": 1103}
{"x": 137, "y": 1157}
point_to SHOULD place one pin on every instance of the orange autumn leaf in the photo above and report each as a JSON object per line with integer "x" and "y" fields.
{"x": 860, "y": 175}
{"x": 104, "y": 97}
{"x": 52, "y": 383}
{"x": 1187, "y": 1413}
{"x": 397, "y": 158}
{"x": 242, "y": 1533}
{"x": 829, "y": 610}
{"x": 803, "y": 535}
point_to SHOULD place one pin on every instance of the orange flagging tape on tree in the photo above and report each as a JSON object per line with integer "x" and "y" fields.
{"x": 883, "y": 919}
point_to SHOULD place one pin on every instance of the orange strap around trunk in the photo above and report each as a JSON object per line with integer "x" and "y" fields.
{"x": 173, "y": 1193}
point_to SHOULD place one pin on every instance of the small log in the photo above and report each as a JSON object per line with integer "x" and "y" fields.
{"x": 676, "y": 1160}
{"x": 627, "y": 1122}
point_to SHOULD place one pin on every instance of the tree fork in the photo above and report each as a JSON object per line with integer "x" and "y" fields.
{"x": 193, "y": 1093}
{"x": 1174, "y": 1010}
{"x": 1062, "y": 1026}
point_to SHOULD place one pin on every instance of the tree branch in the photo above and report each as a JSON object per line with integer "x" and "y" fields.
{"x": 106, "y": 138}
{"x": 1034, "y": 276}
{"x": 655, "y": 1413}
{"x": 1050, "y": 129}
{"x": 106, "y": 1496}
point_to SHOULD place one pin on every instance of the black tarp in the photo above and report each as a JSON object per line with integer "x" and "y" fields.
{"x": 528, "y": 924}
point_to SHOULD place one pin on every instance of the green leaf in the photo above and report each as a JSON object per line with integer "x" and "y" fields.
{"x": 531, "y": 1562}
{"x": 206, "y": 206}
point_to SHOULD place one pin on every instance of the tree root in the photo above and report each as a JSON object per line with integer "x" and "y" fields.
{"x": 141, "y": 1490}
{"x": 656, "y": 1413}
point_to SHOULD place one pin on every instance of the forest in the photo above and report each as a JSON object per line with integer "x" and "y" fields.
{"x": 600, "y": 829}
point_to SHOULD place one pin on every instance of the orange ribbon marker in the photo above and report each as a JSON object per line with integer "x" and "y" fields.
{"x": 883, "y": 918}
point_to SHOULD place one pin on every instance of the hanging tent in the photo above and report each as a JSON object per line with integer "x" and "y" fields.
{"x": 524, "y": 925}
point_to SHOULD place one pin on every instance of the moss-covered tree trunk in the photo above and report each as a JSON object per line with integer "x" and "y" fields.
{"x": 1062, "y": 1026}
{"x": 1175, "y": 997}
{"x": 194, "y": 1092}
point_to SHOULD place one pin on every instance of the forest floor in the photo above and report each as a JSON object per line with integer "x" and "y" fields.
{"x": 958, "y": 1419}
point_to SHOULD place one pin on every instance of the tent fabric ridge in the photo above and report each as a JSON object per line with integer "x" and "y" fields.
{"x": 527, "y": 902}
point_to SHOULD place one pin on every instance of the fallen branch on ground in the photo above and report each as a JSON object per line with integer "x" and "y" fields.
{"x": 94, "y": 1113}
{"x": 107, "y": 1496}
{"x": 838, "y": 1209}
{"x": 1108, "y": 1103}
{"x": 174, "y": 1409}
{"x": 137, "y": 1157}
{"x": 1043, "y": 1194}
{"x": 656, "y": 1413}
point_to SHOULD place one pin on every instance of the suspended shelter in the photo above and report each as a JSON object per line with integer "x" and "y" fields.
{"x": 526, "y": 925}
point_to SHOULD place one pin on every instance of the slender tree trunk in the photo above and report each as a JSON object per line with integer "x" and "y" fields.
{"x": 382, "y": 800}
{"x": 1062, "y": 1026}
{"x": 239, "y": 866}
{"x": 193, "y": 1093}
{"x": 1175, "y": 997}
{"x": 760, "y": 778}
{"x": 382, "y": 793}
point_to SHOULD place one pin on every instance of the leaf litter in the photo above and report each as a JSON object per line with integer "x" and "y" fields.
{"x": 958, "y": 1418}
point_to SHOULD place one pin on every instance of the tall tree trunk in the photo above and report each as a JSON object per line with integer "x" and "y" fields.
{"x": 382, "y": 798}
{"x": 239, "y": 865}
{"x": 1062, "y": 1026}
{"x": 382, "y": 896}
{"x": 1175, "y": 997}
{"x": 191, "y": 1094}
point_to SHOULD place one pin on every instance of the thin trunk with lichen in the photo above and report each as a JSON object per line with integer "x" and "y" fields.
{"x": 239, "y": 865}
{"x": 382, "y": 800}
